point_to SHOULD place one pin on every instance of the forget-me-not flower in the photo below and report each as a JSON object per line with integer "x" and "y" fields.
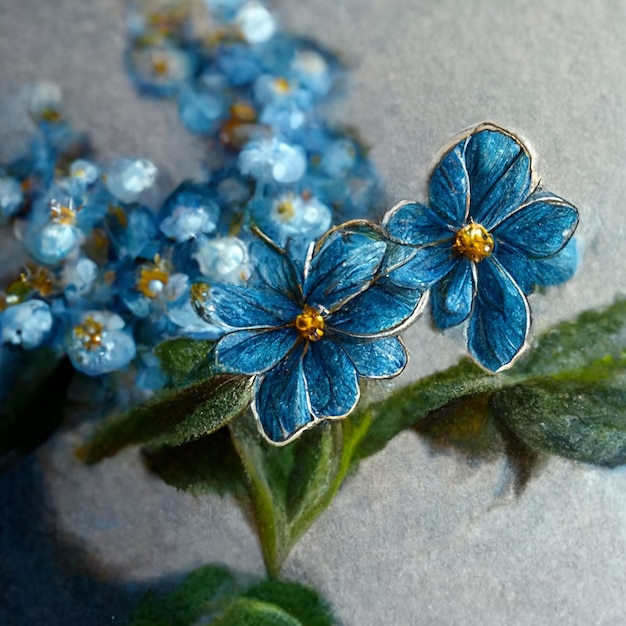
{"x": 487, "y": 237}
{"x": 307, "y": 332}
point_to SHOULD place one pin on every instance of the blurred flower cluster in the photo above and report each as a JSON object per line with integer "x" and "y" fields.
{"x": 107, "y": 277}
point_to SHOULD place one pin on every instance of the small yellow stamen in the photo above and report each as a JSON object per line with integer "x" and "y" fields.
{"x": 50, "y": 115}
{"x": 199, "y": 293}
{"x": 89, "y": 333}
{"x": 473, "y": 242}
{"x": 233, "y": 133}
{"x": 39, "y": 278}
{"x": 285, "y": 210}
{"x": 160, "y": 66}
{"x": 281, "y": 85}
{"x": 62, "y": 214}
{"x": 152, "y": 279}
{"x": 310, "y": 324}
{"x": 118, "y": 212}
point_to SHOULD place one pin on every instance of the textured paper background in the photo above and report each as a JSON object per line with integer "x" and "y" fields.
{"x": 413, "y": 538}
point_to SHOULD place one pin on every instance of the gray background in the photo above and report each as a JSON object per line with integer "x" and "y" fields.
{"x": 414, "y": 537}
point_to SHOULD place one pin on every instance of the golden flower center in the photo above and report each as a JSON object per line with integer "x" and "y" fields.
{"x": 160, "y": 66}
{"x": 89, "y": 333}
{"x": 473, "y": 242}
{"x": 286, "y": 210}
{"x": 152, "y": 278}
{"x": 62, "y": 214}
{"x": 310, "y": 324}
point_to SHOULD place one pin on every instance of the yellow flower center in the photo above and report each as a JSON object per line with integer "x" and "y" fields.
{"x": 199, "y": 292}
{"x": 473, "y": 242}
{"x": 282, "y": 85}
{"x": 152, "y": 278}
{"x": 310, "y": 324}
{"x": 160, "y": 66}
{"x": 62, "y": 214}
{"x": 89, "y": 333}
{"x": 286, "y": 210}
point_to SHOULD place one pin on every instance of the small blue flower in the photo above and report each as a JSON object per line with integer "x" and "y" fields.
{"x": 27, "y": 324}
{"x": 308, "y": 332}
{"x": 126, "y": 178}
{"x": 98, "y": 343}
{"x": 11, "y": 196}
{"x": 190, "y": 210}
{"x": 270, "y": 160}
{"x": 488, "y": 236}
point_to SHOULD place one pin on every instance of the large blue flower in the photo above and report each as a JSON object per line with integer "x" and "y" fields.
{"x": 308, "y": 331}
{"x": 488, "y": 236}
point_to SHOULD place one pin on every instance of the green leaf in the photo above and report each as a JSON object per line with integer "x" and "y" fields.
{"x": 408, "y": 405}
{"x": 466, "y": 426}
{"x": 209, "y": 464}
{"x": 300, "y": 602}
{"x": 564, "y": 397}
{"x": 173, "y": 417}
{"x": 576, "y": 420}
{"x": 247, "y": 612}
{"x": 206, "y": 590}
{"x": 213, "y": 595}
{"x": 186, "y": 361}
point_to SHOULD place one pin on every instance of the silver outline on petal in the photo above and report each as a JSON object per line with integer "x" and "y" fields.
{"x": 472, "y": 130}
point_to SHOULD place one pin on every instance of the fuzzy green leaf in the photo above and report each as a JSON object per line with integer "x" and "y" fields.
{"x": 564, "y": 397}
{"x": 209, "y": 464}
{"x": 214, "y": 595}
{"x": 186, "y": 361}
{"x": 173, "y": 417}
{"x": 203, "y": 591}
{"x": 576, "y": 420}
{"x": 411, "y": 404}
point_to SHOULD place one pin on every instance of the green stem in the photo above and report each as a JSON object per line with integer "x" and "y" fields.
{"x": 264, "y": 511}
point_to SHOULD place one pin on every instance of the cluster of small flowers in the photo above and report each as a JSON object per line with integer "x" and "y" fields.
{"x": 253, "y": 91}
{"x": 108, "y": 278}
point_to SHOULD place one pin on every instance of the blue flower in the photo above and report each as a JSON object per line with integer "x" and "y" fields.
{"x": 308, "y": 331}
{"x": 488, "y": 236}
{"x": 98, "y": 343}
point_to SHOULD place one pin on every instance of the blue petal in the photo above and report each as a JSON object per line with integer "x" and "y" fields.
{"x": 527, "y": 272}
{"x": 381, "y": 358}
{"x": 281, "y": 403}
{"x": 254, "y": 351}
{"x": 382, "y": 309}
{"x": 342, "y": 266}
{"x": 559, "y": 268}
{"x": 499, "y": 170}
{"x": 540, "y": 227}
{"x": 500, "y": 320}
{"x": 415, "y": 224}
{"x": 245, "y": 307}
{"x": 450, "y": 187}
{"x": 427, "y": 265}
{"x": 332, "y": 380}
{"x": 274, "y": 269}
{"x": 452, "y": 297}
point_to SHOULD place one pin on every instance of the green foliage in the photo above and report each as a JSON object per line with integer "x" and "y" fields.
{"x": 186, "y": 361}
{"x": 213, "y": 595}
{"x": 290, "y": 486}
{"x": 566, "y": 397}
{"x": 208, "y": 464}
{"x": 173, "y": 417}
